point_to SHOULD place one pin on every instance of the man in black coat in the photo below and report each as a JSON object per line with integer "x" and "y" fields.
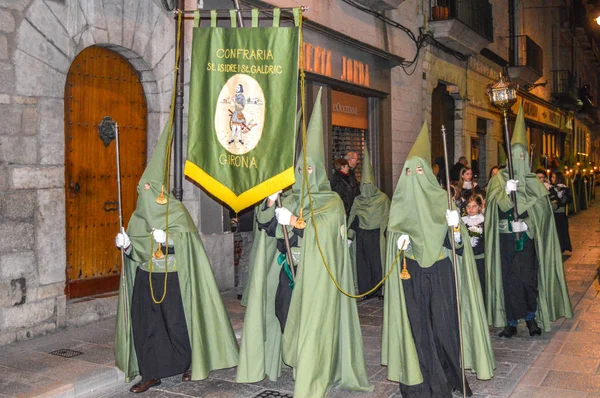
{"x": 455, "y": 170}
{"x": 352, "y": 158}
{"x": 340, "y": 183}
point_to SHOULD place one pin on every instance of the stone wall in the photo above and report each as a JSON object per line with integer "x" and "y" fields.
{"x": 38, "y": 41}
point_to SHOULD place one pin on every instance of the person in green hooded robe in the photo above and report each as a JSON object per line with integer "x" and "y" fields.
{"x": 524, "y": 277}
{"x": 420, "y": 341}
{"x": 306, "y": 323}
{"x": 366, "y": 230}
{"x": 170, "y": 316}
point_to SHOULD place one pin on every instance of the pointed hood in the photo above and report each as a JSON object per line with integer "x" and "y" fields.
{"x": 155, "y": 168}
{"x": 315, "y": 154}
{"x": 519, "y": 136}
{"x": 422, "y": 146}
{"x": 148, "y": 214}
{"x": 318, "y": 182}
{"x": 371, "y": 206}
{"x": 419, "y": 204}
{"x": 368, "y": 187}
{"x": 529, "y": 188}
{"x": 367, "y": 175}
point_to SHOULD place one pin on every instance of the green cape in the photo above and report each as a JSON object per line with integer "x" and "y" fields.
{"x": 322, "y": 339}
{"x": 212, "y": 340}
{"x": 372, "y": 207}
{"x": 411, "y": 214}
{"x": 532, "y": 196}
{"x": 420, "y": 193}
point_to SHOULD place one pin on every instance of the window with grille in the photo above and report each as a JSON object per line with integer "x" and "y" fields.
{"x": 347, "y": 139}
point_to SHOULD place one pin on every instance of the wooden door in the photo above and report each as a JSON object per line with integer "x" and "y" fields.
{"x": 100, "y": 83}
{"x": 442, "y": 113}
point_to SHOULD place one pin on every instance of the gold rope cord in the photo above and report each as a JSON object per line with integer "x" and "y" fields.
{"x": 166, "y": 179}
{"x": 305, "y": 184}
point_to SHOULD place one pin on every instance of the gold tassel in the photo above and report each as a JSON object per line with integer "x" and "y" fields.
{"x": 158, "y": 254}
{"x": 162, "y": 200}
{"x": 300, "y": 223}
{"x": 404, "y": 275}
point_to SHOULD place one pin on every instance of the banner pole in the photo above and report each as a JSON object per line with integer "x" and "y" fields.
{"x": 236, "y": 5}
{"x": 178, "y": 120}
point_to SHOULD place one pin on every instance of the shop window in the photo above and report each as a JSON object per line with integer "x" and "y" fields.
{"x": 347, "y": 139}
{"x": 349, "y": 119}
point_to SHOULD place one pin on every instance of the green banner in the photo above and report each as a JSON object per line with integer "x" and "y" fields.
{"x": 242, "y": 112}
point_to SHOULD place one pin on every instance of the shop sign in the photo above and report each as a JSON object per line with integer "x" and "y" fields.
{"x": 349, "y": 110}
{"x": 539, "y": 113}
{"x": 338, "y": 60}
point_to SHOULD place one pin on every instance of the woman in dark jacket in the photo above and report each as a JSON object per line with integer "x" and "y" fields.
{"x": 340, "y": 183}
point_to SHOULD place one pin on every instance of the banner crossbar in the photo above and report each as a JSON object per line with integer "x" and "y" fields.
{"x": 226, "y": 10}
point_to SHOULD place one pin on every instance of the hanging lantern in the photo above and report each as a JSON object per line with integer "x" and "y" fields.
{"x": 502, "y": 93}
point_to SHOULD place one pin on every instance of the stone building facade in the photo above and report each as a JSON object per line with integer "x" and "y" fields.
{"x": 550, "y": 50}
{"x": 39, "y": 41}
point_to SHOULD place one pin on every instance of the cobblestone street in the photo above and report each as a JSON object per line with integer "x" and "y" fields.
{"x": 563, "y": 363}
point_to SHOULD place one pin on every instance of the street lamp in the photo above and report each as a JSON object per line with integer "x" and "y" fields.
{"x": 597, "y": 19}
{"x": 503, "y": 94}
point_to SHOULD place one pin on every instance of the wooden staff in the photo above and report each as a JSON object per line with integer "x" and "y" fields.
{"x": 460, "y": 334}
{"x": 121, "y": 229}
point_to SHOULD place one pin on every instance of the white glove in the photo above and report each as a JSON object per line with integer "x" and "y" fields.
{"x": 159, "y": 236}
{"x": 273, "y": 197}
{"x": 547, "y": 185}
{"x": 283, "y": 215}
{"x": 511, "y": 186}
{"x": 474, "y": 240}
{"x": 452, "y": 218}
{"x": 457, "y": 237}
{"x": 349, "y": 242}
{"x": 403, "y": 242}
{"x": 122, "y": 240}
{"x": 519, "y": 226}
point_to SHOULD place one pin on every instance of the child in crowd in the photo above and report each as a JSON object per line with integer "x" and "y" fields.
{"x": 474, "y": 221}
{"x": 468, "y": 187}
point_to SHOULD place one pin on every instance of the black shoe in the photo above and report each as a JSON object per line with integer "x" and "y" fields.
{"x": 241, "y": 142}
{"x": 508, "y": 331}
{"x": 239, "y": 297}
{"x": 230, "y": 142}
{"x": 187, "y": 376}
{"x": 534, "y": 329}
{"x": 143, "y": 386}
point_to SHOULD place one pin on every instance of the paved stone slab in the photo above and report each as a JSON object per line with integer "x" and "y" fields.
{"x": 211, "y": 386}
{"x": 572, "y": 381}
{"x": 537, "y": 392}
{"x": 567, "y": 363}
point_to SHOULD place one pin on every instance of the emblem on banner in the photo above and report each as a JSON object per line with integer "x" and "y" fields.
{"x": 240, "y": 114}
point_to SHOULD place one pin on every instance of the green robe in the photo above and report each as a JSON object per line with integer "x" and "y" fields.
{"x": 532, "y": 197}
{"x": 553, "y": 297}
{"x": 372, "y": 207}
{"x": 418, "y": 209}
{"x": 212, "y": 339}
{"x": 398, "y": 351}
{"x": 322, "y": 341}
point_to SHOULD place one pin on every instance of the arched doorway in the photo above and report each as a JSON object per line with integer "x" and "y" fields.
{"x": 100, "y": 83}
{"x": 442, "y": 114}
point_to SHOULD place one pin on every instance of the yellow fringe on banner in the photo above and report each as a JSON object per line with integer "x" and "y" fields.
{"x": 245, "y": 199}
